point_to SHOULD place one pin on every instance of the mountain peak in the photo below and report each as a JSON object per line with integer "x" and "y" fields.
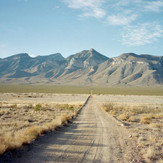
{"x": 85, "y": 59}
{"x": 92, "y": 50}
{"x": 20, "y": 55}
{"x": 96, "y": 55}
{"x": 87, "y": 54}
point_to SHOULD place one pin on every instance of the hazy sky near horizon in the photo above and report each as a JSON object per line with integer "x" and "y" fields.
{"x": 112, "y": 27}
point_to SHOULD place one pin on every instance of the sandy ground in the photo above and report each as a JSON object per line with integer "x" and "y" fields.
{"x": 130, "y": 99}
{"x": 35, "y": 98}
{"x": 94, "y": 136}
{"x": 17, "y": 110}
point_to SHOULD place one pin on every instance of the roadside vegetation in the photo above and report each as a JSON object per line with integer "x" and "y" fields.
{"x": 145, "y": 124}
{"x": 20, "y": 124}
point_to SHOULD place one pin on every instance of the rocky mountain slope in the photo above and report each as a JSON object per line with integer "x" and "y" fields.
{"x": 84, "y": 68}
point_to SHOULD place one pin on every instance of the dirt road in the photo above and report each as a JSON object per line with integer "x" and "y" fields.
{"x": 92, "y": 137}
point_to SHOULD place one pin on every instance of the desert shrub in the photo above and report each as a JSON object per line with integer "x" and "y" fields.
{"x": 71, "y": 108}
{"x": 39, "y": 107}
{"x": 113, "y": 112}
{"x": 145, "y": 120}
{"x": 108, "y": 107}
{"x": 13, "y": 106}
{"x": 66, "y": 106}
{"x": 132, "y": 119}
{"x": 30, "y": 106}
{"x": 123, "y": 117}
{"x": 153, "y": 154}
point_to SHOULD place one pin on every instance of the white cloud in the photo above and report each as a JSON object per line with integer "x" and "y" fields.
{"x": 141, "y": 34}
{"x": 96, "y": 12}
{"x": 154, "y": 6}
{"x": 90, "y": 8}
{"x": 121, "y": 19}
{"x": 84, "y": 3}
{"x": 122, "y": 3}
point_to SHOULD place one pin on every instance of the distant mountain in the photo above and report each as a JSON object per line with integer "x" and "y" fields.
{"x": 84, "y": 59}
{"x": 87, "y": 67}
{"x": 131, "y": 69}
{"x": 22, "y": 65}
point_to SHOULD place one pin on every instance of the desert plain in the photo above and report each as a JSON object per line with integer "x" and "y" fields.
{"x": 134, "y": 122}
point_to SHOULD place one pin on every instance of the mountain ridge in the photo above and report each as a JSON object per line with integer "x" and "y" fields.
{"x": 87, "y": 67}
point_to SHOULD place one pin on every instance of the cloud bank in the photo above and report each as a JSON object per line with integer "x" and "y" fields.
{"x": 89, "y": 8}
{"x": 141, "y": 34}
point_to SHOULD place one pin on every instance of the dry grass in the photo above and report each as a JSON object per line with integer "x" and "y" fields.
{"x": 145, "y": 120}
{"x": 22, "y": 123}
{"x": 146, "y": 124}
{"x": 123, "y": 117}
{"x": 14, "y": 140}
{"x": 153, "y": 154}
{"x": 132, "y": 119}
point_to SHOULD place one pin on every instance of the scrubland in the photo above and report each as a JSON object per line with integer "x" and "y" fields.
{"x": 143, "y": 117}
{"x": 82, "y": 89}
{"x": 25, "y": 116}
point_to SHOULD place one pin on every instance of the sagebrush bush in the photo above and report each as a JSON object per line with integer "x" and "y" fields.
{"x": 145, "y": 120}
{"x": 108, "y": 107}
{"x": 13, "y": 106}
{"x": 123, "y": 117}
{"x": 39, "y": 107}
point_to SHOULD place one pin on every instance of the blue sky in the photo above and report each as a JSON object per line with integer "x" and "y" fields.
{"x": 112, "y": 27}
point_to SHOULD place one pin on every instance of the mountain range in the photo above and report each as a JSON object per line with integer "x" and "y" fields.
{"x": 87, "y": 67}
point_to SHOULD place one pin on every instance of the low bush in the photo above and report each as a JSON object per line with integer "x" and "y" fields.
{"x": 145, "y": 120}
{"x": 39, "y": 107}
{"x": 123, "y": 117}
